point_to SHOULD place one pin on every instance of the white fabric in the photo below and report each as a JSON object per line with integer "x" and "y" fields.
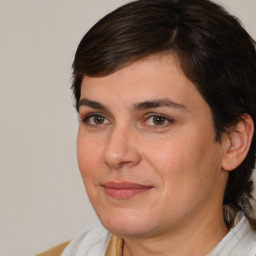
{"x": 93, "y": 243}
{"x": 240, "y": 241}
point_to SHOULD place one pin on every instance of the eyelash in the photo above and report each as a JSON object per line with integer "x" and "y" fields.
{"x": 166, "y": 120}
{"x": 86, "y": 119}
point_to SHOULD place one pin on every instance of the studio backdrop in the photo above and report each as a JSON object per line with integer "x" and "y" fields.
{"x": 42, "y": 198}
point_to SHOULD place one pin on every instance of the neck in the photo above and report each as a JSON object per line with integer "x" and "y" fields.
{"x": 194, "y": 238}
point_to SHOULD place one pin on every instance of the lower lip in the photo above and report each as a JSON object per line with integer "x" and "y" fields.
{"x": 125, "y": 193}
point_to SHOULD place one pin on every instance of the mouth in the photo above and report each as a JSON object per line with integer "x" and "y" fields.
{"x": 125, "y": 190}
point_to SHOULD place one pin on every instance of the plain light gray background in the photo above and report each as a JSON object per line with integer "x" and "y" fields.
{"x": 42, "y": 197}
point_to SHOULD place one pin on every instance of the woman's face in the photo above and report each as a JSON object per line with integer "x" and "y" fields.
{"x": 147, "y": 151}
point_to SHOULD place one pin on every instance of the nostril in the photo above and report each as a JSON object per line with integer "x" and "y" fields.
{"x": 129, "y": 159}
{"x": 121, "y": 152}
{"x": 125, "y": 164}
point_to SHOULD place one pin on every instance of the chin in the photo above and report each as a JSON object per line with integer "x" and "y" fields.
{"x": 126, "y": 225}
{"x": 124, "y": 231}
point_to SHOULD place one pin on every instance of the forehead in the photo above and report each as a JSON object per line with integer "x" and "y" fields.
{"x": 152, "y": 77}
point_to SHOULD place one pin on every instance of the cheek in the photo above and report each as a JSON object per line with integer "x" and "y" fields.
{"x": 187, "y": 160}
{"x": 88, "y": 155}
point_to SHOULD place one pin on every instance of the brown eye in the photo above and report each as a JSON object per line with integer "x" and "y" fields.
{"x": 158, "y": 120}
{"x": 97, "y": 119}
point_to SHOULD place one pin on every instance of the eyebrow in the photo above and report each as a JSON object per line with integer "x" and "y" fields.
{"x": 91, "y": 104}
{"x": 149, "y": 104}
{"x": 158, "y": 103}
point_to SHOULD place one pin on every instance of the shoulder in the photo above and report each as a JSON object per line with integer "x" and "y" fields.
{"x": 247, "y": 245}
{"x": 93, "y": 243}
{"x": 247, "y": 239}
{"x": 89, "y": 243}
{"x": 241, "y": 240}
{"x": 55, "y": 251}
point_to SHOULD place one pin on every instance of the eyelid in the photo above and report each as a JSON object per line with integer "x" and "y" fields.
{"x": 150, "y": 115}
{"x": 84, "y": 118}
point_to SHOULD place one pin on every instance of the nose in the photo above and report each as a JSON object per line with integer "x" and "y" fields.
{"x": 121, "y": 149}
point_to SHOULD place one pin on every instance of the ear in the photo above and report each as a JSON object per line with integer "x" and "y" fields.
{"x": 239, "y": 141}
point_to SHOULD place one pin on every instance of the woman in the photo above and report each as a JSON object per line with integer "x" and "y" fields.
{"x": 166, "y": 95}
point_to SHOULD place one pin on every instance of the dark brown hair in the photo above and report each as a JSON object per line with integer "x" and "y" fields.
{"x": 213, "y": 50}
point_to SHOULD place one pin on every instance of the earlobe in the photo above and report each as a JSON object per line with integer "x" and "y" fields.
{"x": 239, "y": 138}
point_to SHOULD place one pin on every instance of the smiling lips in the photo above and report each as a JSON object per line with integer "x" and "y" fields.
{"x": 124, "y": 190}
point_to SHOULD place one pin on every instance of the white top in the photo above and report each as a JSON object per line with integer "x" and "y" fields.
{"x": 240, "y": 241}
{"x": 93, "y": 243}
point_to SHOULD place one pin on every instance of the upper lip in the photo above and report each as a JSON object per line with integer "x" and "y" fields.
{"x": 125, "y": 185}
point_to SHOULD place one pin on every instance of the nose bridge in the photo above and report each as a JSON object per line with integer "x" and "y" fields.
{"x": 121, "y": 147}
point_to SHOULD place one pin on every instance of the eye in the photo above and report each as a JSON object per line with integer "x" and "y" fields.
{"x": 157, "y": 120}
{"x": 95, "y": 119}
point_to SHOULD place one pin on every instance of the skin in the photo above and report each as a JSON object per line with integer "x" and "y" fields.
{"x": 176, "y": 155}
